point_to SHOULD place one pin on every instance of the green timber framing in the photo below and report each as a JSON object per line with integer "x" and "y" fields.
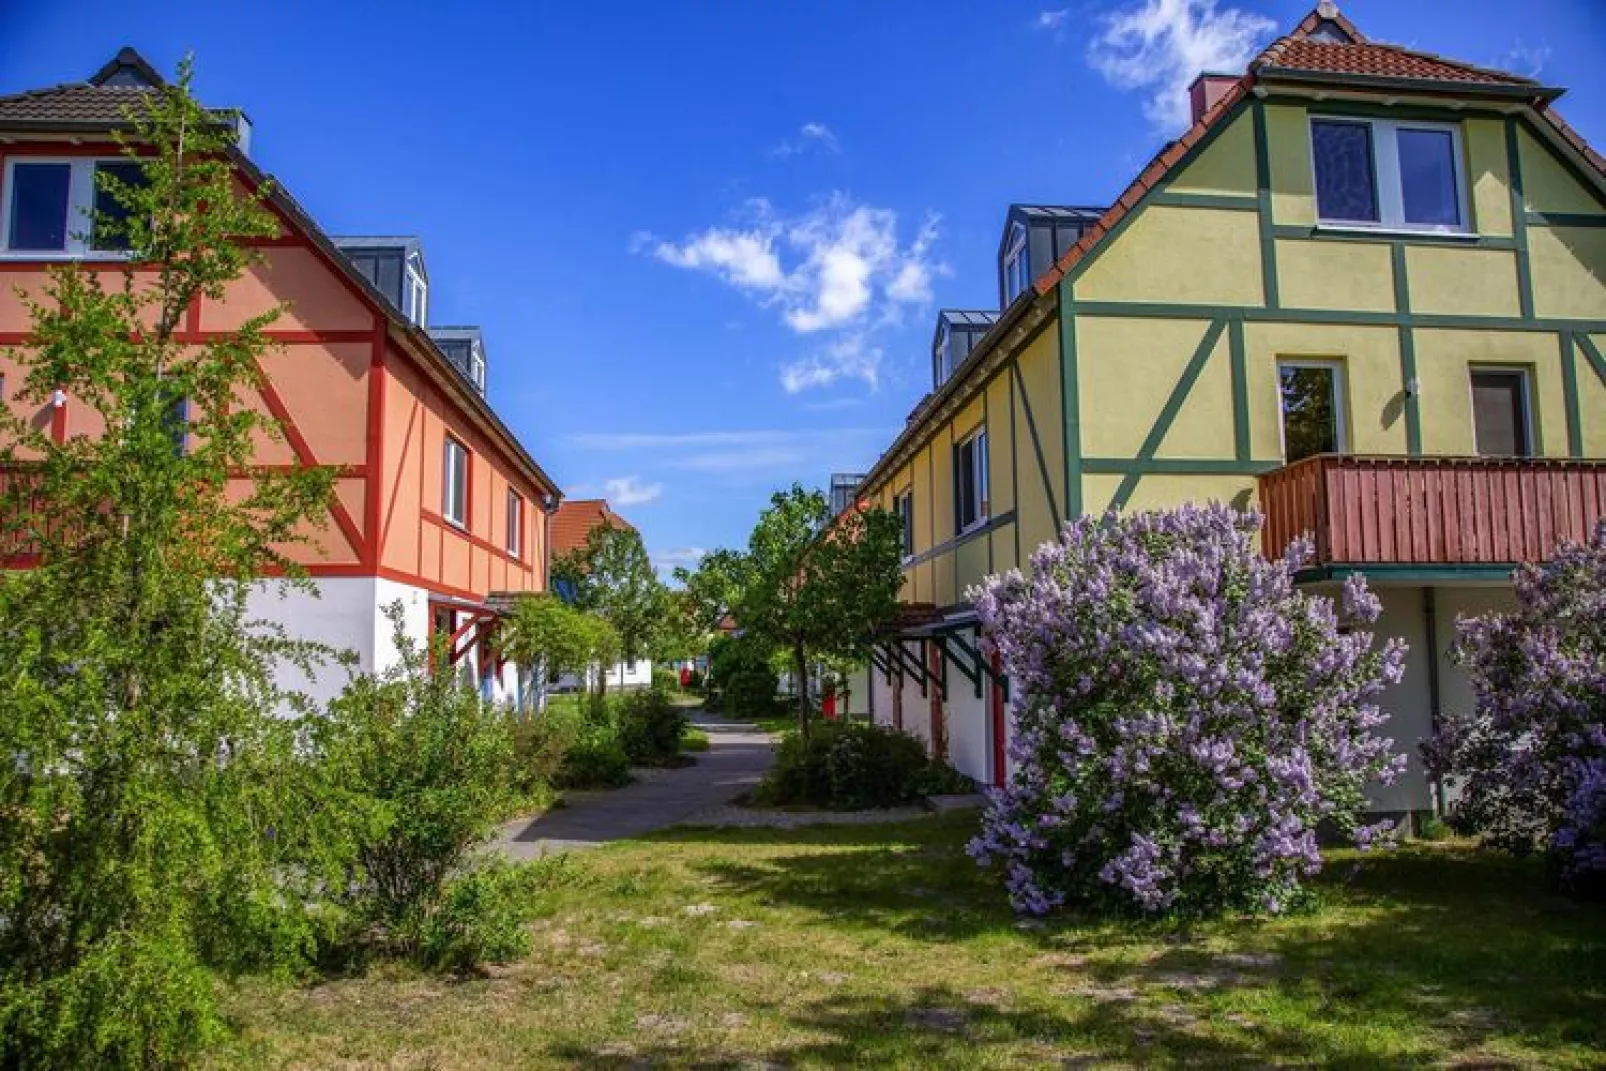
{"x": 998, "y": 352}
{"x": 892, "y": 658}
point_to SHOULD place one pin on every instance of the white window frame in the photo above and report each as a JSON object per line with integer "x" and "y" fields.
{"x": 418, "y": 293}
{"x": 80, "y": 209}
{"x": 515, "y": 524}
{"x": 942, "y": 355}
{"x": 1525, "y": 382}
{"x": 1334, "y": 366}
{"x": 906, "y": 518}
{"x": 476, "y": 365}
{"x": 450, "y": 486}
{"x": 1016, "y": 275}
{"x": 1387, "y": 180}
{"x": 979, "y": 458}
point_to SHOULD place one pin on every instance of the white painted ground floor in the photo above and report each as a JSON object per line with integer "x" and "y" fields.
{"x": 352, "y": 614}
{"x": 973, "y": 722}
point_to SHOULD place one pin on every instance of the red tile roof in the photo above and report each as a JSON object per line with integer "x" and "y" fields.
{"x": 575, "y": 519}
{"x": 1300, "y": 51}
{"x": 1379, "y": 60}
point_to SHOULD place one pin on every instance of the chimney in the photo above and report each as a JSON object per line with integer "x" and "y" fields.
{"x": 1207, "y": 89}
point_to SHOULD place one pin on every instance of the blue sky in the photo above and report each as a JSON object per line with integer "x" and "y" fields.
{"x": 707, "y": 241}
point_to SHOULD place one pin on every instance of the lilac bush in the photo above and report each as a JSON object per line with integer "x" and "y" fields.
{"x": 1529, "y": 761}
{"x": 1190, "y": 718}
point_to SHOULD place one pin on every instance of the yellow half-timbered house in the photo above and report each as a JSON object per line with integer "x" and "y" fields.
{"x": 1365, "y": 293}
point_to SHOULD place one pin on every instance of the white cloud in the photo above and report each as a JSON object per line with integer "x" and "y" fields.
{"x": 837, "y": 265}
{"x": 809, "y": 136}
{"x": 1052, "y": 20}
{"x": 630, "y": 491}
{"x": 849, "y": 357}
{"x": 677, "y": 556}
{"x": 1524, "y": 59}
{"x": 1160, "y": 46}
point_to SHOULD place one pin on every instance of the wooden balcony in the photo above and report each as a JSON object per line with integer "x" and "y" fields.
{"x": 1431, "y": 511}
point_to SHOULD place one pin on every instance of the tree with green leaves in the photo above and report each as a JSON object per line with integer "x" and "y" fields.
{"x": 815, "y": 589}
{"x": 612, "y": 577}
{"x": 547, "y": 633}
{"x": 152, "y": 825}
{"x": 714, "y": 589}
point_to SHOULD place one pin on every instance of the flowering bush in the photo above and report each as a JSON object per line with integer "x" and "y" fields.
{"x": 1530, "y": 760}
{"x": 1190, "y": 717}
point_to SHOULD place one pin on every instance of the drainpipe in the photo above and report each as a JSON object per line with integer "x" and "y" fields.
{"x": 1430, "y": 620}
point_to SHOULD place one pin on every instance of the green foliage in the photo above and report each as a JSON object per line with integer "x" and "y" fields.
{"x": 154, "y": 823}
{"x": 852, "y": 766}
{"x": 813, "y": 586}
{"x": 613, "y": 578}
{"x": 650, "y": 727}
{"x": 713, "y": 590}
{"x": 741, "y": 669}
{"x": 596, "y": 760}
{"x": 482, "y": 916}
{"x": 427, "y": 762}
{"x": 665, "y": 679}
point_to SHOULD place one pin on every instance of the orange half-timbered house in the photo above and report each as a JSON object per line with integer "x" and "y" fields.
{"x": 437, "y": 504}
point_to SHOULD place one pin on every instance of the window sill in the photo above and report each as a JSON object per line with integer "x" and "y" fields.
{"x": 461, "y": 526}
{"x": 974, "y": 526}
{"x": 1353, "y": 230}
{"x": 45, "y": 255}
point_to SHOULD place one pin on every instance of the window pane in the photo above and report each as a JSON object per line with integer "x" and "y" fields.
{"x": 1310, "y": 412}
{"x": 1427, "y": 178}
{"x": 39, "y": 206}
{"x": 108, "y": 209}
{"x": 1346, "y": 187}
{"x": 1499, "y": 418}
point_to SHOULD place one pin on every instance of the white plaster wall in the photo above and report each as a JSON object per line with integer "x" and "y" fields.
{"x": 337, "y": 612}
{"x": 968, "y": 750}
{"x": 1407, "y": 703}
{"x": 881, "y": 704}
{"x": 1455, "y": 686}
{"x": 916, "y": 707}
{"x": 855, "y": 702}
{"x": 415, "y": 619}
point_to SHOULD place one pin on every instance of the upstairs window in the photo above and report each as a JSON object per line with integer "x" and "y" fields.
{"x": 1500, "y": 424}
{"x": 904, "y": 506}
{"x": 415, "y": 292}
{"x": 941, "y": 356}
{"x": 515, "y": 524}
{"x": 49, "y": 206}
{"x": 1387, "y": 174}
{"x": 476, "y": 366}
{"x": 1312, "y": 407}
{"x": 1017, "y": 267}
{"x": 454, "y": 484}
{"x": 970, "y": 482}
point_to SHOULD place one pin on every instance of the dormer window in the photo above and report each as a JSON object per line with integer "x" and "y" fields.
{"x": 942, "y": 356}
{"x": 476, "y": 366}
{"x": 1017, "y": 265}
{"x": 415, "y": 292}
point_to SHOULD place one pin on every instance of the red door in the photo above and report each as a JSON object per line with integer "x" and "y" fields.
{"x": 897, "y": 693}
{"x": 1000, "y": 728}
{"x": 934, "y": 659}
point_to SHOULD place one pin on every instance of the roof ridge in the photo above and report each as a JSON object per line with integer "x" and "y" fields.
{"x": 1261, "y": 61}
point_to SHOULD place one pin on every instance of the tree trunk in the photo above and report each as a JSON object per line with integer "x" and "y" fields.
{"x": 800, "y": 672}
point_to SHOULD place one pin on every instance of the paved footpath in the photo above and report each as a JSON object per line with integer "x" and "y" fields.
{"x": 737, "y": 757}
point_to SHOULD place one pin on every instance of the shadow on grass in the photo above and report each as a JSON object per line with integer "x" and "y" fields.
{"x": 1426, "y": 953}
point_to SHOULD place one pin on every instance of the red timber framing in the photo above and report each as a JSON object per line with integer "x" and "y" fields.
{"x": 387, "y": 341}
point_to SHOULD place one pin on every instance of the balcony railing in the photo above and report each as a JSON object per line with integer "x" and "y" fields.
{"x": 1432, "y": 510}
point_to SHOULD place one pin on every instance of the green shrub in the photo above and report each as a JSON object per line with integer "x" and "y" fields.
{"x": 665, "y": 679}
{"x": 541, "y": 746}
{"x": 695, "y": 681}
{"x": 428, "y": 763}
{"x": 481, "y": 916}
{"x": 597, "y": 760}
{"x": 851, "y": 766}
{"x": 740, "y": 668}
{"x": 650, "y": 727}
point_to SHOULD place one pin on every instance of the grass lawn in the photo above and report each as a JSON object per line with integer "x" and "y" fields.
{"x": 694, "y": 739}
{"x": 884, "y": 945}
